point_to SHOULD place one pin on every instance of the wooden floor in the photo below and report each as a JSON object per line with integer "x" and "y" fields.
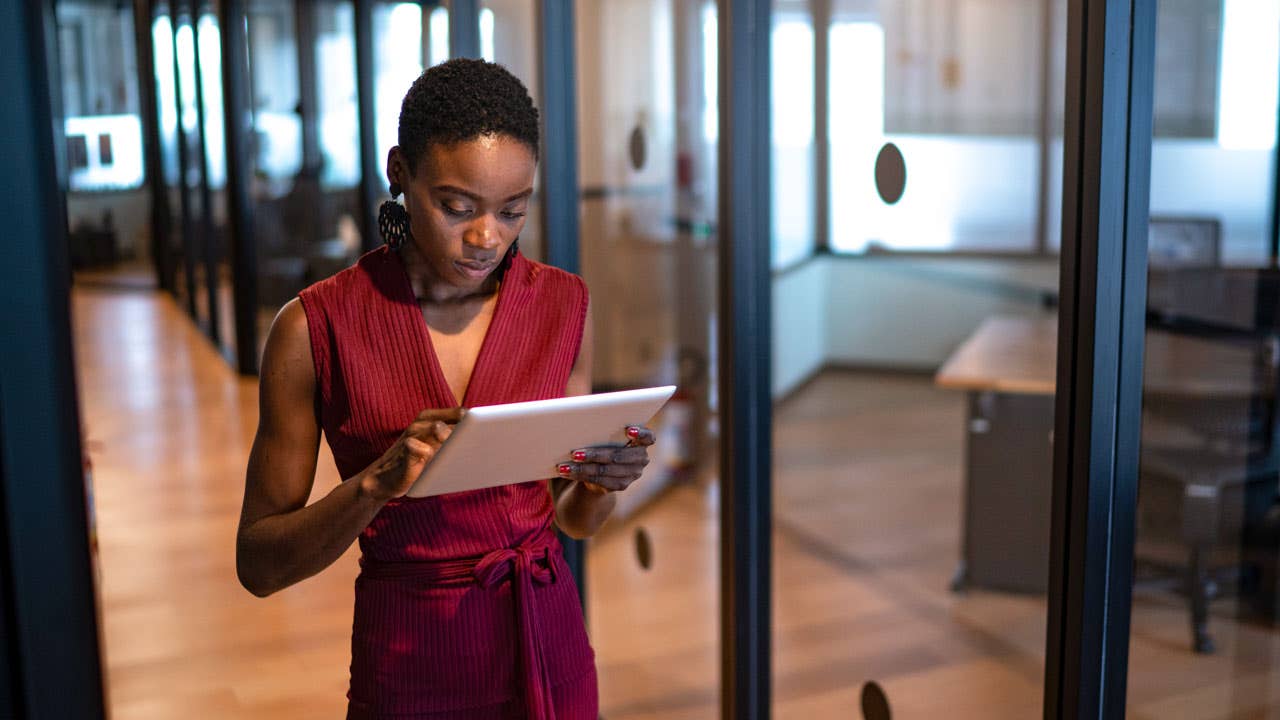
{"x": 868, "y": 482}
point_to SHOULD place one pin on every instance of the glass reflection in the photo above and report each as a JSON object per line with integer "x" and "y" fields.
{"x": 398, "y": 58}
{"x": 106, "y": 201}
{"x": 1204, "y": 641}
{"x": 306, "y": 169}
{"x": 793, "y": 111}
{"x": 914, "y": 394}
{"x": 912, "y": 73}
{"x": 648, "y": 249}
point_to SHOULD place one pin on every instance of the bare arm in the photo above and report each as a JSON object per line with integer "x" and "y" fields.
{"x": 281, "y": 539}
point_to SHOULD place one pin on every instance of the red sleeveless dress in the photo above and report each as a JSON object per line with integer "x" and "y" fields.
{"x": 464, "y": 606}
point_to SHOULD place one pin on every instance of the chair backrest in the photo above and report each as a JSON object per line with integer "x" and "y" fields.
{"x": 1224, "y": 321}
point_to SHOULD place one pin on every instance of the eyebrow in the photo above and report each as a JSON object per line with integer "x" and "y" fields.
{"x": 467, "y": 193}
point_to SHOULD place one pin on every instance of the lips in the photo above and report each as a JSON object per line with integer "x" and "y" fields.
{"x": 475, "y": 270}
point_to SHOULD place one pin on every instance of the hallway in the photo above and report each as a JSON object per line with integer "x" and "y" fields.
{"x": 867, "y": 489}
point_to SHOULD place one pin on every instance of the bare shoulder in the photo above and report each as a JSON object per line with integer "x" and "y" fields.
{"x": 288, "y": 373}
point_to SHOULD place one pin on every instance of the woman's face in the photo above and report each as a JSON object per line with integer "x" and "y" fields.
{"x": 467, "y": 204}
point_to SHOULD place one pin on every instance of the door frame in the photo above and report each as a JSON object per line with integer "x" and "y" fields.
{"x": 1107, "y": 173}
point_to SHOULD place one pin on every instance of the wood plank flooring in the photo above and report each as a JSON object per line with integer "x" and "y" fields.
{"x": 868, "y": 481}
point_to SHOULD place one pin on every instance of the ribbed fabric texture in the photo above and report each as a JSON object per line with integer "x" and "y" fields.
{"x": 426, "y": 645}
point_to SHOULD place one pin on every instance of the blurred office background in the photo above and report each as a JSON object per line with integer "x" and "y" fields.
{"x": 916, "y": 197}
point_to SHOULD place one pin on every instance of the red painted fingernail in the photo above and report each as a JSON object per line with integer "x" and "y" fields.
{"x": 580, "y": 455}
{"x": 633, "y": 432}
{"x": 565, "y": 469}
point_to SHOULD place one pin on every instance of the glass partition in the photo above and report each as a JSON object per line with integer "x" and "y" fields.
{"x": 792, "y": 85}
{"x": 914, "y": 394}
{"x": 305, "y": 172}
{"x": 957, "y": 89}
{"x": 407, "y": 37}
{"x": 1204, "y": 641}
{"x": 648, "y": 253}
{"x": 108, "y": 203}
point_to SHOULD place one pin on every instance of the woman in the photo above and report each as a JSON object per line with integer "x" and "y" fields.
{"x": 464, "y": 606}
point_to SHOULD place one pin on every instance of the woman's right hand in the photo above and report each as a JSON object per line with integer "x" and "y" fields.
{"x": 391, "y": 475}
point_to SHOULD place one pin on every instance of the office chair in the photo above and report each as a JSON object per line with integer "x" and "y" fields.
{"x": 1210, "y": 462}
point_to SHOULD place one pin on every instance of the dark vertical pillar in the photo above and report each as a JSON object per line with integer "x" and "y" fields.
{"x": 10, "y": 657}
{"x": 177, "y": 13}
{"x": 308, "y": 97}
{"x": 241, "y": 243}
{"x": 161, "y": 249}
{"x": 559, "y": 175}
{"x": 821, "y": 124}
{"x": 208, "y": 235}
{"x": 372, "y": 179}
{"x": 464, "y": 29}
{"x": 1107, "y": 169}
{"x": 745, "y": 331}
{"x": 48, "y": 618}
{"x": 1274, "y": 253}
{"x": 1046, "y": 125}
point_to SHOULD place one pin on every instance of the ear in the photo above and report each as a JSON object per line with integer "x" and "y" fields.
{"x": 397, "y": 170}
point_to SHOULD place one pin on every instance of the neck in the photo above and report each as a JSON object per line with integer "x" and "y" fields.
{"x": 427, "y": 285}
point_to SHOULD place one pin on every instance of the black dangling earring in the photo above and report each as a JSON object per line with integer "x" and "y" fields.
{"x": 393, "y": 220}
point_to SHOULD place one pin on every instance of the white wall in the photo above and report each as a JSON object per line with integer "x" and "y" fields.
{"x": 897, "y": 312}
{"x": 913, "y": 312}
{"x": 800, "y": 305}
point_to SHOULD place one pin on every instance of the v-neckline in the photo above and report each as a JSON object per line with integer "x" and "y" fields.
{"x": 434, "y": 368}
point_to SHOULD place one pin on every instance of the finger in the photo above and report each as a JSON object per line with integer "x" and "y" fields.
{"x": 620, "y": 470}
{"x": 582, "y": 472}
{"x": 604, "y": 483}
{"x": 442, "y": 430}
{"x": 435, "y": 431}
{"x": 640, "y": 436}
{"x": 617, "y": 483}
{"x": 595, "y": 472}
{"x": 418, "y": 452}
{"x": 449, "y": 415}
{"x": 606, "y": 454}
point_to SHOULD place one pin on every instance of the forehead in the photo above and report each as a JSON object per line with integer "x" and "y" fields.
{"x": 496, "y": 165}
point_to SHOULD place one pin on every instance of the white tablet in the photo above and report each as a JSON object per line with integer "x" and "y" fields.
{"x": 518, "y": 442}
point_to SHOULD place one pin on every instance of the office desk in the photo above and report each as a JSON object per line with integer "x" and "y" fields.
{"x": 1008, "y": 369}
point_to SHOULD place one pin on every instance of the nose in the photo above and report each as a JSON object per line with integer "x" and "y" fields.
{"x": 483, "y": 233}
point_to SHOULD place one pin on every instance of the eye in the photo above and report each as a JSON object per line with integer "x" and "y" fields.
{"x": 512, "y": 214}
{"x": 454, "y": 210}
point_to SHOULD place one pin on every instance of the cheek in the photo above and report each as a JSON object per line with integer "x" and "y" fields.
{"x": 431, "y": 227}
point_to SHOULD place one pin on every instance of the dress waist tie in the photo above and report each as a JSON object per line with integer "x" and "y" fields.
{"x": 525, "y": 565}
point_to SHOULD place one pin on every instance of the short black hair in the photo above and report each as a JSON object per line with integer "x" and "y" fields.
{"x": 463, "y": 99}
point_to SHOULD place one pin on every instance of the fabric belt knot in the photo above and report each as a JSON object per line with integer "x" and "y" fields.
{"x": 500, "y": 564}
{"x": 525, "y": 566}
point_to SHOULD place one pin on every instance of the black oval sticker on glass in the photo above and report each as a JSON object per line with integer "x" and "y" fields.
{"x": 875, "y": 705}
{"x": 644, "y": 548}
{"x": 637, "y": 149}
{"x": 891, "y": 173}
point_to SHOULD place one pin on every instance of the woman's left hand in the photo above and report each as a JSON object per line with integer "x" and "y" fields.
{"x": 610, "y": 468}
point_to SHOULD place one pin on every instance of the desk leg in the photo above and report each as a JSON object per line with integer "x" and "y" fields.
{"x": 960, "y": 579}
{"x": 1008, "y": 493}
